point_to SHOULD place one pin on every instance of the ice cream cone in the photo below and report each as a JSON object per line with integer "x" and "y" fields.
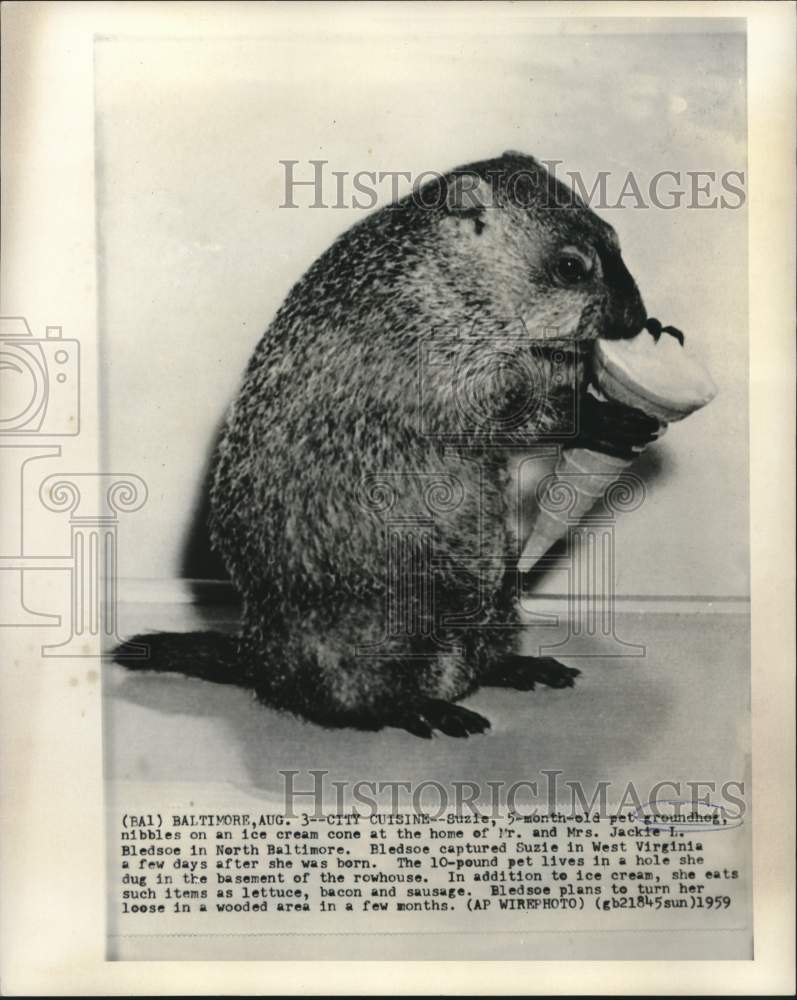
{"x": 649, "y": 374}
{"x": 577, "y": 483}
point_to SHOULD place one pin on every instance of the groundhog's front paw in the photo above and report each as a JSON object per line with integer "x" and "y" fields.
{"x": 614, "y": 428}
{"x": 523, "y": 673}
{"x": 425, "y": 716}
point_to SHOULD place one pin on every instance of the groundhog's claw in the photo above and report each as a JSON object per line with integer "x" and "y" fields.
{"x": 416, "y": 725}
{"x": 653, "y": 326}
{"x": 451, "y": 719}
{"x": 524, "y": 672}
{"x": 554, "y": 674}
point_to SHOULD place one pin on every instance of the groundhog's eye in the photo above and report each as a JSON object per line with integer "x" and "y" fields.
{"x": 572, "y": 269}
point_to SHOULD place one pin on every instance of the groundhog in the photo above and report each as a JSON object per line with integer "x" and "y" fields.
{"x": 361, "y": 493}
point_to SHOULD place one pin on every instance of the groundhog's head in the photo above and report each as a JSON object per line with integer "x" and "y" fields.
{"x": 521, "y": 273}
{"x": 488, "y": 285}
{"x": 519, "y": 245}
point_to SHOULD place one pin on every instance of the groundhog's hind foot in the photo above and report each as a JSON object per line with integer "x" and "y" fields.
{"x": 422, "y": 718}
{"x": 523, "y": 673}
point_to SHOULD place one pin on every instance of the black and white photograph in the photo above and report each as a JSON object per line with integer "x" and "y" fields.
{"x": 411, "y": 581}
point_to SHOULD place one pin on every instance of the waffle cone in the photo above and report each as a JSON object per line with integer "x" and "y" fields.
{"x": 579, "y": 481}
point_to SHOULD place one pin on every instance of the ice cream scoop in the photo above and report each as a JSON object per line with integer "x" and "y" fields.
{"x": 659, "y": 376}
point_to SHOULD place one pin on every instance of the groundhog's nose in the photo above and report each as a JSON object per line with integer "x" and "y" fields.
{"x": 625, "y": 318}
{"x": 633, "y": 317}
{"x": 626, "y": 313}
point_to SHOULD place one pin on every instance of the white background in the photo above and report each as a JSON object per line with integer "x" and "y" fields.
{"x": 51, "y": 729}
{"x": 196, "y": 254}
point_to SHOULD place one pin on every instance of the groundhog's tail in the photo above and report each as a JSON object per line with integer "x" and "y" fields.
{"x": 211, "y": 656}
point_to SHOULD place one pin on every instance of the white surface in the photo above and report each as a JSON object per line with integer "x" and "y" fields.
{"x": 680, "y": 712}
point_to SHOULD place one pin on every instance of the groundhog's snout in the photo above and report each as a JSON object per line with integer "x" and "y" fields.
{"x": 627, "y": 313}
{"x": 632, "y": 318}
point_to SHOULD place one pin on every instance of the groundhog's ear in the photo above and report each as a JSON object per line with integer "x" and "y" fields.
{"x": 467, "y": 196}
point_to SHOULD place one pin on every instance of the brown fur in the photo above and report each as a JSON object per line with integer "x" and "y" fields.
{"x": 349, "y": 425}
